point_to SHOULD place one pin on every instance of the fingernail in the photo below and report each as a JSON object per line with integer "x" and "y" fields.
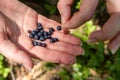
{"x": 91, "y": 41}
{"x": 28, "y": 68}
{"x": 114, "y": 50}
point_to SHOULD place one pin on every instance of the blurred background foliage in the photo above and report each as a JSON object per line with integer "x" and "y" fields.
{"x": 98, "y": 63}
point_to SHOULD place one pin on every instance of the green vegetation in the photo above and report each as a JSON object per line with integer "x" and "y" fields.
{"x": 4, "y": 71}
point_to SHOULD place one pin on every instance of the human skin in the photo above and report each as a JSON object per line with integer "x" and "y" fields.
{"x": 15, "y": 21}
{"x": 110, "y": 30}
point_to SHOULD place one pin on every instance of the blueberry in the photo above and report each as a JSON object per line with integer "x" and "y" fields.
{"x": 50, "y": 33}
{"x": 41, "y": 31}
{"x": 45, "y": 33}
{"x": 55, "y": 39}
{"x": 52, "y": 40}
{"x": 44, "y": 45}
{"x": 58, "y": 28}
{"x": 40, "y": 27}
{"x": 48, "y": 36}
{"x": 31, "y": 35}
{"x": 35, "y": 43}
{"x": 42, "y": 38}
{"x": 40, "y": 34}
{"x": 51, "y": 29}
{"x": 39, "y": 44}
{"x": 36, "y": 37}
{"x": 34, "y": 32}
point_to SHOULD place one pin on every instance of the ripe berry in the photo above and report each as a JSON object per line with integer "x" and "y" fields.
{"x": 36, "y": 37}
{"x": 31, "y": 35}
{"x": 58, "y": 28}
{"x": 40, "y": 34}
{"x": 51, "y": 29}
{"x": 55, "y": 39}
{"x": 44, "y": 45}
{"x": 34, "y": 32}
{"x": 39, "y": 44}
{"x": 35, "y": 43}
{"x": 52, "y": 40}
{"x": 45, "y": 33}
{"x": 41, "y": 31}
{"x": 42, "y": 38}
{"x": 48, "y": 36}
{"x": 40, "y": 27}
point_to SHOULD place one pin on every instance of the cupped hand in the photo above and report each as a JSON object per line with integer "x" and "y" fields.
{"x": 16, "y": 45}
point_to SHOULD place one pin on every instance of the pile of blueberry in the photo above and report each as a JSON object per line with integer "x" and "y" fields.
{"x": 39, "y": 35}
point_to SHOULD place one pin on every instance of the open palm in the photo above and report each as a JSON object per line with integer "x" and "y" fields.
{"x": 16, "y": 44}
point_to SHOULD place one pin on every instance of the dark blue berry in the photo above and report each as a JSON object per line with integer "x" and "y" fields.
{"x": 45, "y": 33}
{"x": 50, "y": 33}
{"x": 51, "y": 29}
{"x": 52, "y": 40}
{"x": 42, "y": 38}
{"x": 34, "y": 32}
{"x": 40, "y": 34}
{"x": 39, "y": 44}
{"x": 31, "y": 35}
{"x": 40, "y": 27}
{"x": 44, "y": 45}
{"x": 36, "y": 37}
{"x": 55, "y": 39}
{"x": 58, "y": 28}
{"x": 41, "y": 31}
{"x": 35, "y": 43}
{"x": 48, "y": 36}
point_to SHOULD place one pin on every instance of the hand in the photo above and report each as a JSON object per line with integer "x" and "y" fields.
{"x": 111, "y": 29}
{"x": 85, "y": 12}
{"x": 15, "y": 21}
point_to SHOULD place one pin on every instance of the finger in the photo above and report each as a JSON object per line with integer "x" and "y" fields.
{"x": 64, "y": 7}
{"x": 67, "y": 38}
{"x": 85, "y": 13}
{"x": 66, "y": 48}
{"x": 52, "y": 55}
{"x": 113, "y": 6}
{"x": 14, "y": 53}
{"x": 30, "y": 20}
{"x": 109, "y": 30}
{"x": 114, "y": 44}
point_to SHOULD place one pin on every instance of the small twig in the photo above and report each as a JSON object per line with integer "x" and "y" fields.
{"x": 11, "y": 72}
